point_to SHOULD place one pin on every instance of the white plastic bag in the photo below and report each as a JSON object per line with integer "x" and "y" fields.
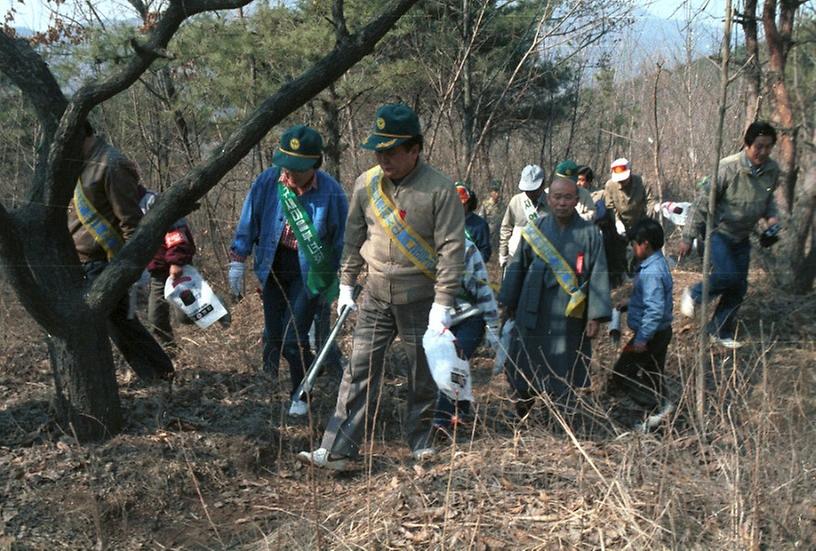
{"x": 677, "y": 213}
{"x": 450, "y": 372}
{"x": 193, "y": 296}
{"x": 504, "y": 346}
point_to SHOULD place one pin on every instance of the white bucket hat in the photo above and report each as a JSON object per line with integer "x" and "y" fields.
{"x": 531, "y": 178}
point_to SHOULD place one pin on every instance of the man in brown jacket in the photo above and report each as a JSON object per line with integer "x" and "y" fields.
{"x": 627, "y": 200}
{"x": 102, "y": 216}
{"x": 406, "y": 223}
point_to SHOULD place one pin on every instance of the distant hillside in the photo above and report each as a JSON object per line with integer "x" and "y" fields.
{"x": 651, "y": 37}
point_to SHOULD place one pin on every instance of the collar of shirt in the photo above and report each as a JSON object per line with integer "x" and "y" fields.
{"x": 751, "y": 168}
{"x": 650, "y": 259}
{"x": 288, "y": 182}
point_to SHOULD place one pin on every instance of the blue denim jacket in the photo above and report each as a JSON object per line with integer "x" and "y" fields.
{"x": 650, "y": 306}
{"x": 262, "y": 220}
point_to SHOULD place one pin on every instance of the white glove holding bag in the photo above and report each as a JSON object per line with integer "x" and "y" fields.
{"x": 345, "y": 298}
{"x": 235, "y": 276}
{"x": 439, "y": 319}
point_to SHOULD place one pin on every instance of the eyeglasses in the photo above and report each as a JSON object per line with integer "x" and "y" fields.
{"x": 617, "y": 169}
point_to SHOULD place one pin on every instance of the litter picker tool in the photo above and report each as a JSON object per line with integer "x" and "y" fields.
{"x": 308, "y": 381}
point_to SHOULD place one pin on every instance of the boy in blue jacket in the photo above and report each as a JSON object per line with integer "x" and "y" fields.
{"x": 294, "y": 219}
{"x": 639, "y": 370}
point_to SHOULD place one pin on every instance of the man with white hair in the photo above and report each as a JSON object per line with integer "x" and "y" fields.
{"x": 525, "y": 207}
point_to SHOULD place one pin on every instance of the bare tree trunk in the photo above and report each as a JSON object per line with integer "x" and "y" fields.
{"x": 793, "y": 266}
{"x": 712, "y": 205}
{"x": 332, "y": 148}
{"x": 779, "y": 41}
{"x": 86, "y": 398}
{"x": 753, "y": 71}
{"x": 468, "y": 110}
{"x": 656, "y": 144}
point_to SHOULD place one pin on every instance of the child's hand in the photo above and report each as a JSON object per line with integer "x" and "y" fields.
{"x": 635, "y": 347}
{"x": 623, "y": 303}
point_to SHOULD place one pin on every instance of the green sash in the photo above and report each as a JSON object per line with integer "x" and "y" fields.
{"x": 322, "y": 278}
{"x": 412, "y": 245}
{"x": 560, "y": 268}
{"x": 104, "y": 233}
{"x": 530, "y": 210}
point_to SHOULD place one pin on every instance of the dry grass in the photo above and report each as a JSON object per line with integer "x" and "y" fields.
{"x": 212, "y": 466}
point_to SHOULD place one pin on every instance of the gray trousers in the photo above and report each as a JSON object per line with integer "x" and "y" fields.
{"x": 160, "y": 312}
{"x": 378, "y": 323}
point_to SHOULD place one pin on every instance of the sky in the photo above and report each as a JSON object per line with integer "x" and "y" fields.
{"x": 674, "y": 9}
{"x": 34, "y": 14}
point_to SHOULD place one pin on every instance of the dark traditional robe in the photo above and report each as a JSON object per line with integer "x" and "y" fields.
{"x": 551, "y": 352}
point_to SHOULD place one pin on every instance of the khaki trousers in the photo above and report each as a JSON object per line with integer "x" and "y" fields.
{"x": 378, "y": 323}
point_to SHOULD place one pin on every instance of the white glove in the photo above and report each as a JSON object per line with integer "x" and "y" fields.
{"x": 439, "y": 319}
{"x": 492, "y": 335}
{"x": 236, "y": 278}
{"x": 503, "y": 260}
{"x": 620, "y": 227}
{"x": 345, "y": 298}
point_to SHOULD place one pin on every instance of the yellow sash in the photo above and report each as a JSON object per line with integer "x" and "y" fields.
{"x": 412, "y": 245}
{"x": 103, "y": 232}
{"x": 561, "y": 269}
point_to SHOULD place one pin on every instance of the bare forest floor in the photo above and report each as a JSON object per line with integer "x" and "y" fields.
{"x": 211, "y": 465}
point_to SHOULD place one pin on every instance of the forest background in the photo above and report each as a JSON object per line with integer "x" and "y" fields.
{"x": 497, "y": 86}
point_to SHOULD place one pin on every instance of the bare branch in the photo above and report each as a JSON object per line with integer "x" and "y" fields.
{"x": 140, "y": 8}
{"x": 31, "y": 75}
{"x": 148, "y": 51}
{"x": 339, "y": 17}
{"x": 180, "y": 198}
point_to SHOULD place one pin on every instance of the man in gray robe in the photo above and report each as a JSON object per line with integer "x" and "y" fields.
{"x": 552, "y": 350}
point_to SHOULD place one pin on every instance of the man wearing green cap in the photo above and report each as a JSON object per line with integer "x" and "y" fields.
{"x": 407, "y": 224}
{"x": 294, "y": 218}
{"x": 492, "y": 210}
{"x": 570, "y": 170}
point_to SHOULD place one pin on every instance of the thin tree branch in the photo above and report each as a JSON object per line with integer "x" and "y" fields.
{"x": 339, "y": 22}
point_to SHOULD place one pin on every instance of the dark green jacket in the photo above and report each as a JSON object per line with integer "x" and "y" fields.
{"x": 744, "y": 195}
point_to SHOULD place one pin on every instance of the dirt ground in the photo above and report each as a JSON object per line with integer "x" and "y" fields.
{"x": 210, "y": 463}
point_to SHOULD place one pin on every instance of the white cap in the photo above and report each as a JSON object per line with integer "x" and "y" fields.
{"x": 623, "y": 175}
{"x": 531, "y": 178}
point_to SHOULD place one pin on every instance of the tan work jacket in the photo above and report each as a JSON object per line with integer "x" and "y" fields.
{"x": 630, "y": 204}
{"x": 429, "y": 204}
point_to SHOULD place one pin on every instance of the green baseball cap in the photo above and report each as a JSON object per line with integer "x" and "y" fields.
{"x": 394, "y": 123}
{"x": 567, "y": 169}
{"x": 300, "y": 149}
